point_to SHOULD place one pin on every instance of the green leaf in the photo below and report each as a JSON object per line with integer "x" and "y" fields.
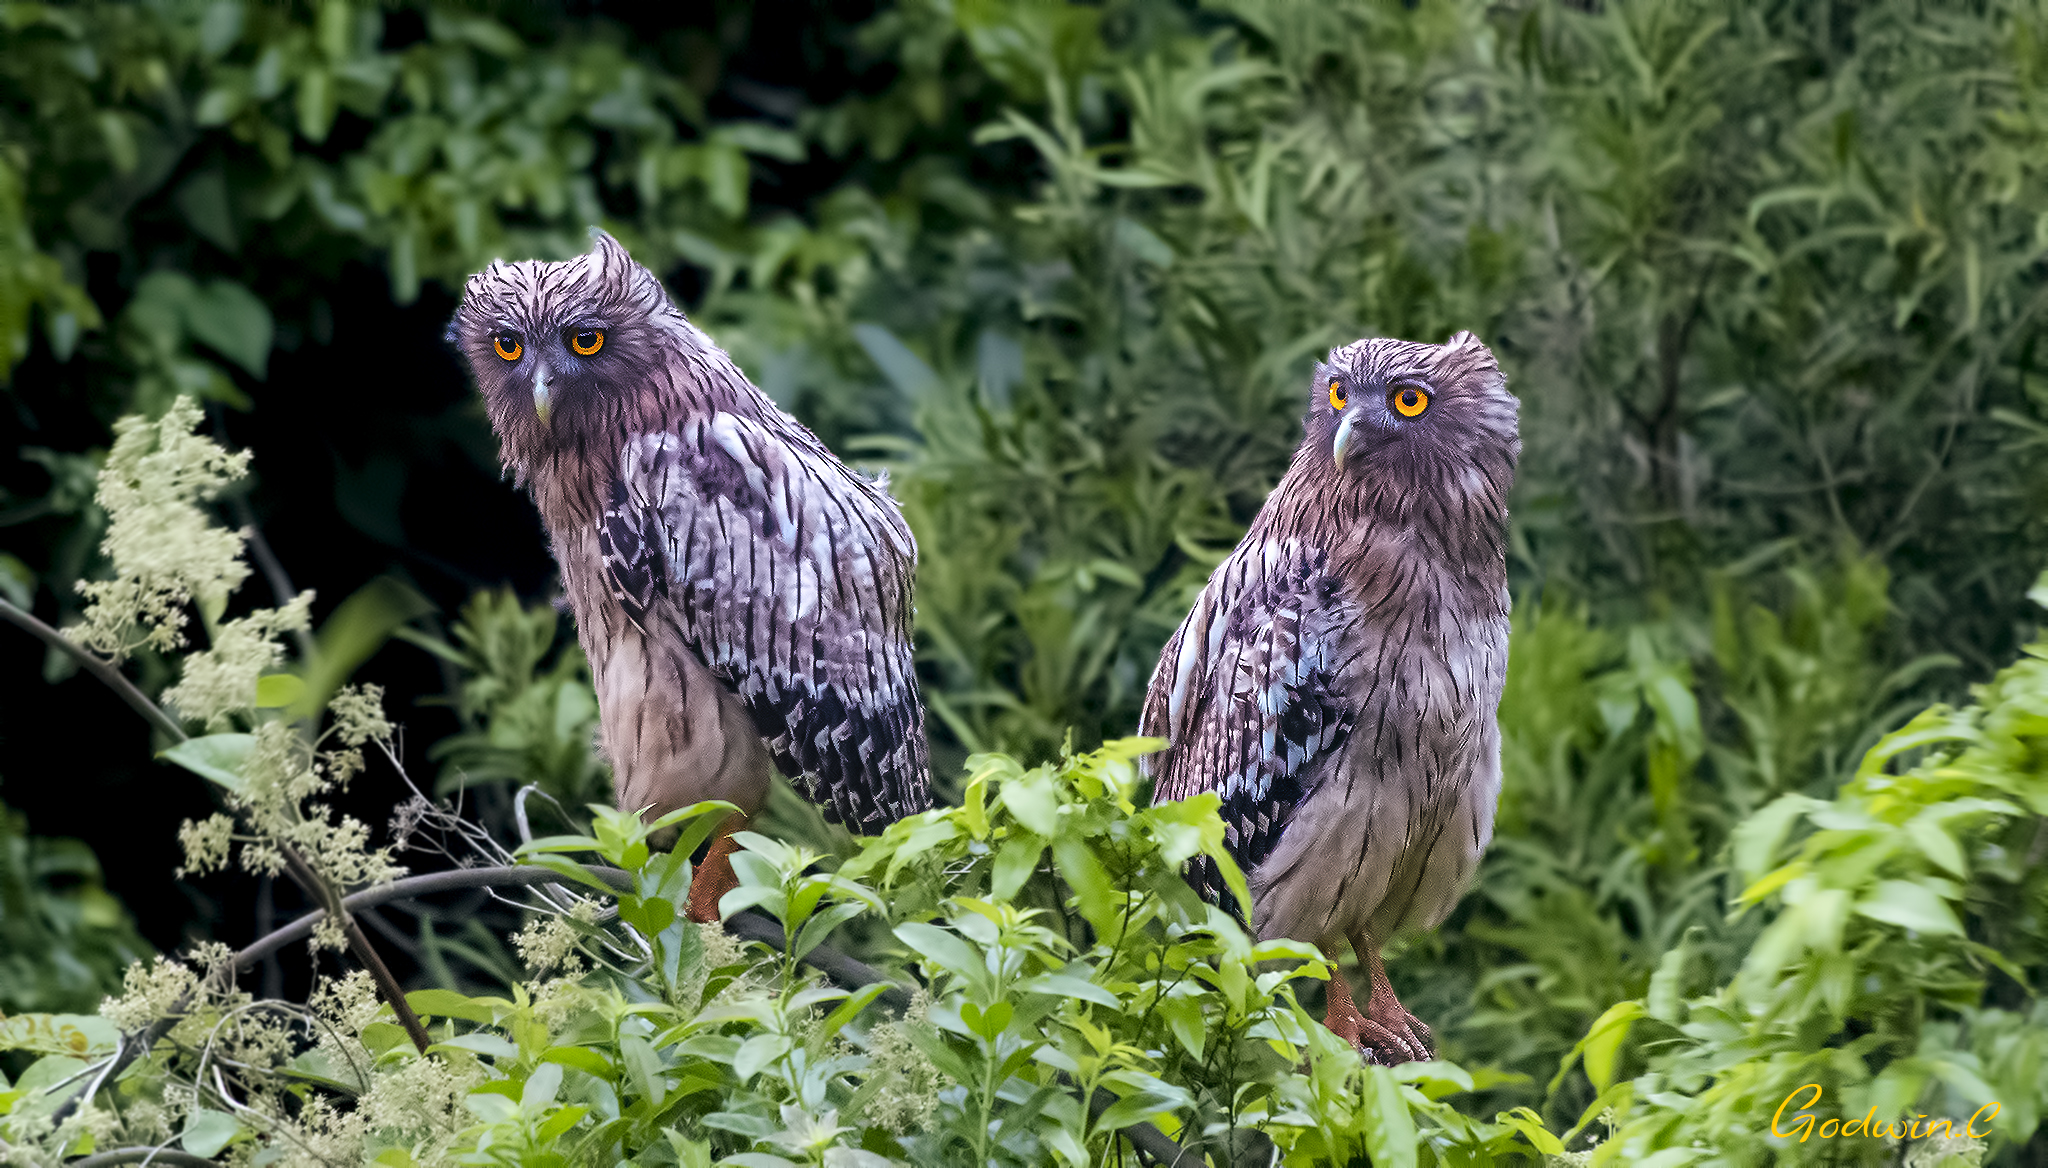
{"x": 1013, "y": 866}
{"x": 383, "y": 1036}
{"x": 1062, "y": 984}
{"x": 1603, "y": 1041}
{"x": 1184, "y": 1018}
{"x": 229, "y": 318}
{"x": 479, "y": 1043}
{"x": 580, "y": 1058}
{"x": 649, "y": 914}
{"x": 540, "y": 1088}
{"x": 1034, "y": 799}
{"x": 217, "y": 758}
{"x": 77, "y": 1035}
{"x": 208, "y": 1131}
{"x": 943, "y": 949}
{"x": 1531, "y": 1126}
{"x": 905, "y": 370}
{"x": 277, "y": 690}
{"x": 561, "y": 1121}
{"x": 1910, "y": 905}
{"x": 1389, "y": 1128}
{"x": 1138, "y": 1107}
{"x": 440, "y": 1003}
{"x": 1088, "y": 878}
{"x": 758, "y": 1052}
{"x": 353, "y": 632}
{"x": 1756, "y": 840}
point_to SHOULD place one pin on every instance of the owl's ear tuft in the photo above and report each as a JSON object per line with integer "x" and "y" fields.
{"x": 1461, "y": 339}
{"x": 612, "y": 257}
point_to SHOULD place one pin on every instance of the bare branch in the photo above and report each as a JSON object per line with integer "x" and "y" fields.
{"x": 111, "y": 677}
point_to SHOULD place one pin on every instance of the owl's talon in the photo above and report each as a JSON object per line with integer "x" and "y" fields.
{"x": 1384, "y": 1033}
{"x": 714, "y": 877}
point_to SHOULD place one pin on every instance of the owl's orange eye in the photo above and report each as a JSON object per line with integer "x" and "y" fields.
{"x": 508, "y": 346}
{"x": 587, "y": 341}
{"x": 1336, "y": 394}
{"x": 1409, "y": 400}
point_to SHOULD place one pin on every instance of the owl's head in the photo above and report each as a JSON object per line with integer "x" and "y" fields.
{"x": 1410, "y": 417}
{"x": 560, "y": 349}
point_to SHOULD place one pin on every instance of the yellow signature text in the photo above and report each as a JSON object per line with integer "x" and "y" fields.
{"x": 1870, "y": 1125}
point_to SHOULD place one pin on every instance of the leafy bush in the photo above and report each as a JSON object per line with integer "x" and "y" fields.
{"x": 63, "y": 938}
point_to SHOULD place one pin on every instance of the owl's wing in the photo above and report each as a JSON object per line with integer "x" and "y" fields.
{"x": 791, "y": 578}
{"x": 1247, "y": 698}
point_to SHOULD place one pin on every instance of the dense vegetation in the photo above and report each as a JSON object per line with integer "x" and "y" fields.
{"x": 1765, "y": 275}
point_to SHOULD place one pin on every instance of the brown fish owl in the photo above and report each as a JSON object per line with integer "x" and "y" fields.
{"x": 743, "y": 596}
{"x": 1338, "y": 680}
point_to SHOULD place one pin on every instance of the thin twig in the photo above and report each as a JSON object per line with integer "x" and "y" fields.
{"x": 304, "y": 873}
{"x": 416, "y": 886}
{"x": 280, "y": 582}
{"x": 317, "y": 887}
{"x": 93, "y": 664}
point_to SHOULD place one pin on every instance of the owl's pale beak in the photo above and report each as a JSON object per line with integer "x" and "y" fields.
{"x": 540, "y": 394}
{"x": 1342, "y": 439}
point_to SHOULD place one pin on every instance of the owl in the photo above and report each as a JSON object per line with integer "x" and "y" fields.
{"x": 1337, "y": 682}
{"x": 743, "y": 596}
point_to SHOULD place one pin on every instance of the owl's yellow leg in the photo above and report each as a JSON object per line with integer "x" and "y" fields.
{"x": 1384, "y": 1032}
{"x": 715, "y": 877}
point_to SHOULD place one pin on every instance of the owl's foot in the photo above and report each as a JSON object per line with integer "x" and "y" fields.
{"x": 1384, "y": 1032}
{"x": 715, "y": 877}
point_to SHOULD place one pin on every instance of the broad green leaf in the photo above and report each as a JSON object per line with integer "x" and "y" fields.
{"x": 218, "y": 758}
{"x": 208, "y": 1131}
{"x": 440, "y": 1003}
{"x": 1389, "y": 1129}
{"x": 558, "y": 1123}
{"x": 277, "y": 690}
{"x": 540, "y": 1088}
{"x": 230, "y": 319}
{"x": 1910, "y": 905}
{"x": 77, "y": 1035}
{"x": 1013, "y": 865}
{"x": 1603, "y": 1041}
{"x": 479, "y": 1043}
{"x": 942, "y": 948}
{"x": 581, "y": 1058}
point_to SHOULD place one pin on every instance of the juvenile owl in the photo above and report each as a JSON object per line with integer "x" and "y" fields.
{"x": 1338, "y": 680}
{"x": 743, "y": 596}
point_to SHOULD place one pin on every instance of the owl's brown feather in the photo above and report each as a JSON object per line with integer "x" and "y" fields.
{"x": 743, "y": 596}
{"x": 1337, "y": 680}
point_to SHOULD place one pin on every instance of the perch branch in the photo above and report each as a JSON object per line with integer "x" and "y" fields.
{"x": 139, "y": 1155}
{"x": 320, "y": 889}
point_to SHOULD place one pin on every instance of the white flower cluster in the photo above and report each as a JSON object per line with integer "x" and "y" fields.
{"x": 547, "y": 944}
{"x": 910, "y": 1084}
{"x": 166, "y": 552}
{"x": 222, "y": 680}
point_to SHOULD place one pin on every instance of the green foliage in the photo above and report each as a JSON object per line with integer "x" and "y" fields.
{"x": 527, "y": 722}
{"x": 1903, "y": 917}
{"x": 63, "y": 938}
{"x": 664, "y": 1043}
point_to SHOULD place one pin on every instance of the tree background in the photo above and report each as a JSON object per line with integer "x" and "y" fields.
{"x": 1766, "y": 276}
